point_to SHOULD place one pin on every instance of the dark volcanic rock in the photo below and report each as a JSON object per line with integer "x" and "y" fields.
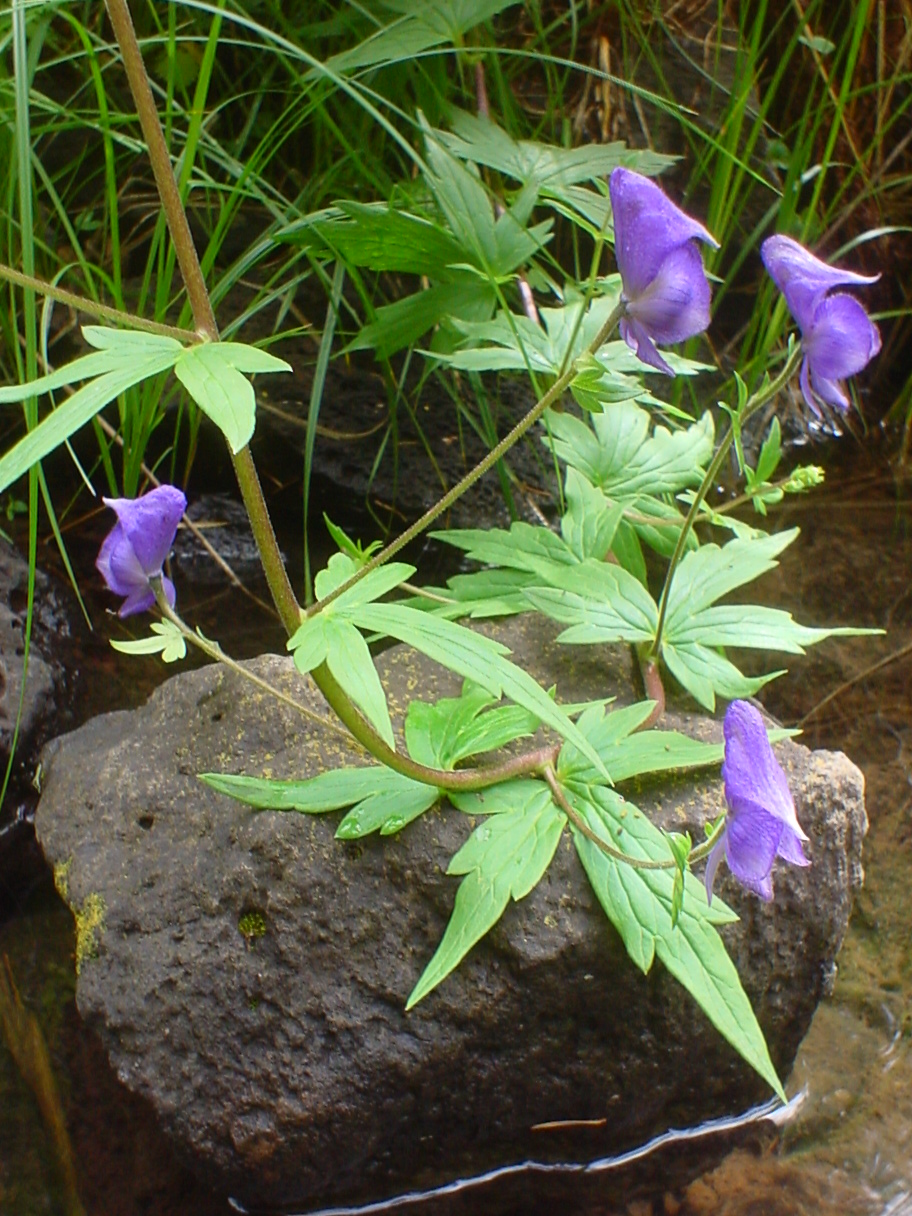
{"x": 284, "y": 1062}
{"x": 43, "y": 704}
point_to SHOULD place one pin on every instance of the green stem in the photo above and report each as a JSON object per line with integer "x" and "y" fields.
{"x": 84, "y": 304}
{"x": 462, "y": 780}
{"x": 560, "y": 385}
{"x": 203, "y": 316}
{"x": 756, "y": 402}
{"x": 160, "y": 158}
{"x": 638, "y": 863}
{"x": 529, "y": 764}
{"x": 214, "y": 651}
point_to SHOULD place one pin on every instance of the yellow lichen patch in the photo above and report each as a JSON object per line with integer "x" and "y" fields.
{"x": 89, "y": 918}
{"x": 61, "y": 881}
{"x": 89, "y": 922}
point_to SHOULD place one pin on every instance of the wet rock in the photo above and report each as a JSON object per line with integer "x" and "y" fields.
{"x": 247, "y": 973}
{"x": 43, "y": 704}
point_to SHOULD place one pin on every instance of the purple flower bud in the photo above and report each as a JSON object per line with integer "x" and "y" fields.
{"x": 761, "y": 824}
{"x": 838, "y": 337}
{"x": 136, "y": 547}
{"x": 664, "y": 284}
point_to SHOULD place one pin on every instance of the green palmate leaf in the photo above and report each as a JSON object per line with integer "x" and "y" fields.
{"x": 629, "y": 752}
{"x": 464, "y": 202}
{"x": 600, "y": 602}
{"x": 349, "y": 660}
{"x": 372, "y": 586}
{"x": 755, "y": 627}
{"x": 387, "y": 813}
{"x": 310, "y": 644}
{"x": 167, "y": 640}
{"x": 485, "y": 143}
{"x": 524, "y": 547}
{"x": 464, "y": 298}
{"x": 708, "y": 573}
{"x": 515, "y": 244}
{"x": 632, "y": 468}
{"x": 639, "y": 903}
{"x": 376, "y": 236}
{"x": 704, "y": 673}
{"x": 496, "y": 246}
{"x": 123, "y": 358}
{"x": 590, "y": 522}
{"x": 380, "y": 798}
{"x": 454, "y": 728}
{"x": 487, "y": 593}
{"x": 629, "y": 552}
{"x": 330, "y": 637}
{"x": 595, "y": 386}
{"x": 695, "y": 626}
{"x": 503, "y": 859}
{"x": 85, "y": 368}
{"x": 211, "y": 374}
{"x": 617, "y": 454}
{"x": 519, "y": 343}
{"x": 472, "y": 656}
{"x": 424, "y": 24}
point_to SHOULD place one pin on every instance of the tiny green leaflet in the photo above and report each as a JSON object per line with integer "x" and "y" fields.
{"x": 167, "y": 640}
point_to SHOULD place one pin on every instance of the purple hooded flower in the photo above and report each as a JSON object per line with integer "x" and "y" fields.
{"x": 136, "y": 547}
{"x": 838, "y": 337}
{"x": 761, "y": 824}
{"x": 664, "y": 284}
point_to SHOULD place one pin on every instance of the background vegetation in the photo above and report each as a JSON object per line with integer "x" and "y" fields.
{"x": 785, "y": 116}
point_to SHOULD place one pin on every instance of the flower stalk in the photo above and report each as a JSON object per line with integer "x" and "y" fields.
{"x": 753, "y": 404}
{"x": 95, "y": 309}
{"x": 554, "y": 393}
{"x": 203, "y": 316}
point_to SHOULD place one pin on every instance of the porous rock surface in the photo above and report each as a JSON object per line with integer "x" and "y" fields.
{"x": 285, "y": 1064}
{"x": 39, "y": 708}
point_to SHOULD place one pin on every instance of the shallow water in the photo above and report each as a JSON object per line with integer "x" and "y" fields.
{"x": 846, "y": 1149}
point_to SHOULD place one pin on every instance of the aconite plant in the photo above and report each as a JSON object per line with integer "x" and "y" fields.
{"x": 635, "y": 478}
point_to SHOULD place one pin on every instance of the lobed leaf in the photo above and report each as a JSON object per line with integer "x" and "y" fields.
{"x": 127, "y": 367}
{"x": 349, "y": 659}
{"x": 166, "y": 640}
{"x": 442, "y": 734}
{"x": 617, "y": 454}
{"x": 704, "y": 672}
{"x": 472, "y": 656}
{"x": 503, "y": 859}
{"x": 211, "y": 374}
{"x": 708, "y": 573}
{"x": 600, "y": 602}
{"x": 381, "y": 799}
{"x": 639, "y": 903}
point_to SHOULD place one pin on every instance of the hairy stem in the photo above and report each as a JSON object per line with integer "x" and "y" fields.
{"x": 653, "y": 688}
{"x": 638, "y": 863}
{"x": 203, "y": 316}
{"x": 103, "y": 311}
{"x": 160, "y": 158}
